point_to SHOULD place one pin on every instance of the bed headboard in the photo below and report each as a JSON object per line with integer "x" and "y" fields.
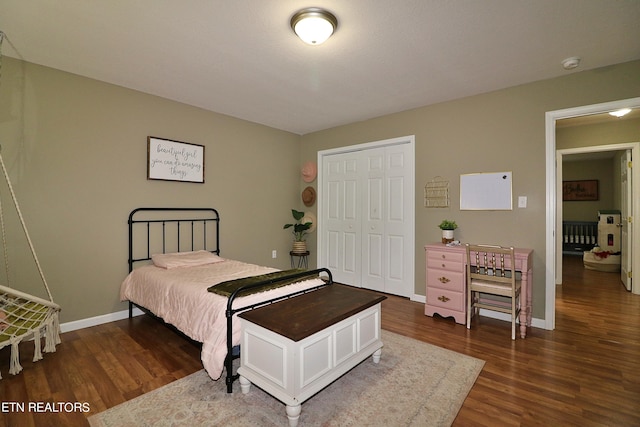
{"x": 165, "y": 230}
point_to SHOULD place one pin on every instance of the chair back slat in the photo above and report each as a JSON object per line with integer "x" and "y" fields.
{"x": 491, "y": 262}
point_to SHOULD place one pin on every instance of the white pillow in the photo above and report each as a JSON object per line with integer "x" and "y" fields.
{"x": 184, "y": 259}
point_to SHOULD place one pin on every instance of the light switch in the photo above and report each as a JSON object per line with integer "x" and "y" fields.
{"x": 522, "y": 201}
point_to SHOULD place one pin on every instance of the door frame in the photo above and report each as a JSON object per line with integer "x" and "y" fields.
{"x": 552, "y": 184}
{"x": 626, "y": 205}
{"x": 409, "y": 139}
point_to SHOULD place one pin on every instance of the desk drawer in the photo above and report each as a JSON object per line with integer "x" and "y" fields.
{"x": 446, "y": 256}
{"x": 444, "y": 279}
{"x": 445, "y": 299}
{"x": 445, "y": 264}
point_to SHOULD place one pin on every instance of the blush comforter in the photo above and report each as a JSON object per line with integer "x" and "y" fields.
{"x": 180, "y": 297}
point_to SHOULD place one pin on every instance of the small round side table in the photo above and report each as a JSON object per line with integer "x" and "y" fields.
{"x": 302, "y": 261}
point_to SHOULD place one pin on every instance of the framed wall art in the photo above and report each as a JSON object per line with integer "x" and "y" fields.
{"x": 174, "y": 161}
{"x": 578, "y": 191}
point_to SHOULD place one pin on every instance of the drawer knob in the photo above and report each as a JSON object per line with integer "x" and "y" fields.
{"x": 443, "y": 298}
{"x": 443, "y": 256}
{"x": 443, "y": 279}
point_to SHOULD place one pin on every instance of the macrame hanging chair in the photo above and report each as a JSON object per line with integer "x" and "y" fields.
{"x": 23, "y": 316}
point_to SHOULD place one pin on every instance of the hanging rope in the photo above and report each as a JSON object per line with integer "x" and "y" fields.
{"x": 24, "y": 316}
{"x": 24, "y": 228}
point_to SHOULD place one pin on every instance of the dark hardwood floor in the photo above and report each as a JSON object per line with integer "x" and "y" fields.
{"x": 584, "y": 373}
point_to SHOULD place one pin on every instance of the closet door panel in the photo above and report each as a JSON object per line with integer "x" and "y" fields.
{"x": 350, "y": 255}
{"x": 395, "y": 234}
{"x": 373, "y": 246}
{"x": 374, "y": 261}
{"x": 341, "y": 213}
{"x": 333, "y": 195}
{"x": 396, "y": 201}
{"x": 333, "y": 251}
{"x": 333, "y": 235}
{"x": 395, "y": 267}
{"x": 398, "y": 221}
{"x": 349, "y": 201}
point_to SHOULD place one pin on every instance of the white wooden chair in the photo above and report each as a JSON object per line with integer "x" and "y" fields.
{"x": 490, "y": 272}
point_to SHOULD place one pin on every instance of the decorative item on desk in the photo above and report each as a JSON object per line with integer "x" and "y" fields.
{"x": 300, "y": 229}
{"x": 447, "y": 228}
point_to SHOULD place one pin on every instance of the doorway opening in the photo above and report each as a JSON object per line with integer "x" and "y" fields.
{"x": 596, "y": 229}
{"x": 554, "y": 189}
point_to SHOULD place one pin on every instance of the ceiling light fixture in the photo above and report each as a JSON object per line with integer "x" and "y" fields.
{"x": 621, "y": 112}
{"x": 571, "y": 63}
{"x": 314, "y": 25}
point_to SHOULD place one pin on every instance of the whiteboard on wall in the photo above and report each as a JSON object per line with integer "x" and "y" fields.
{"x": 486, "y": 191}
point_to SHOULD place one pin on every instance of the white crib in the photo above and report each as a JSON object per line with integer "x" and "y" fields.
{"x": 579, "y": 236}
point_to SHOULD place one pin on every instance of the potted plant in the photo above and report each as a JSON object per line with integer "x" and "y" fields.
{"x": 299, "y": 232}
{"x": 447, "y": 228}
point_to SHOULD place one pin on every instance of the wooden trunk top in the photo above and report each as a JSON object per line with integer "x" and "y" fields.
{"x": 299, "y": 317}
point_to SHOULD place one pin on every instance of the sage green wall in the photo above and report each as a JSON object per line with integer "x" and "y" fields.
{"x": 76, "y": 148}
{"x": 589, "y": 135}
{"x": 498, "y": 131}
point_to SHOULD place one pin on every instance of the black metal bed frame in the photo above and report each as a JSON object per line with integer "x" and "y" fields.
{"x": 207, "y": 215}
{"x": 190, "y": 217}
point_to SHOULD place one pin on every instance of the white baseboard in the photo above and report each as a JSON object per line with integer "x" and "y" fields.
{"x": 419, "y": 298}
{"x": 535, "y": 323}
{"x": 98, "y": 320}
{"x": 112, "y": 317}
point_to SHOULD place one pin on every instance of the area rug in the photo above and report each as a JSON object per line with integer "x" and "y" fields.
{"x": 415, "y": 384}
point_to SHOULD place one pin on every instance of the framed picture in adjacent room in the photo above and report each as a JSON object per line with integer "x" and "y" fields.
{"x": 580, "y": 191}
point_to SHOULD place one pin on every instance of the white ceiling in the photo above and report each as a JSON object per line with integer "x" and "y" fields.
{"x": 240, "y": 57}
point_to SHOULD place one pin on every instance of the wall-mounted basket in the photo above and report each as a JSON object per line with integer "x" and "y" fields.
{"x": 436, "y": 193}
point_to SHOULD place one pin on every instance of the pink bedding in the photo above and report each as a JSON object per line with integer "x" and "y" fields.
{"x": 180, "y": 297}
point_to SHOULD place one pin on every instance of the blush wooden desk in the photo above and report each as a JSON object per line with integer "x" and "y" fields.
{"x": 446, "y": 282}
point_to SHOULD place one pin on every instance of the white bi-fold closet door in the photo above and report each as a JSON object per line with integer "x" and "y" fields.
{"x": 366, "y": 216}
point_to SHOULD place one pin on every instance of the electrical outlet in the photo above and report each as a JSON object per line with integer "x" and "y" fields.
{"x": 274, "y": 254}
